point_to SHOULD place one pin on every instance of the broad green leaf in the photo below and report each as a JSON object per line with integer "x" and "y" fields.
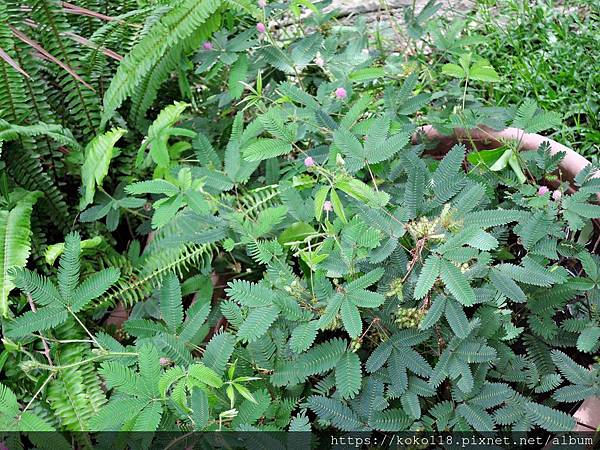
{"x": 453, "y": 70}
{"x": 482, "y": 70}
{"x": 320, "y": 198}
{"x": 487, "y": 157}
{"x": 237, "y": 75}
{"x": 366, "y": 74}
{"x": 205, "y": 375}
{"x": 338, "y": 207}
{"x": 363, "y": 192}
{"x": 296, "y": 233}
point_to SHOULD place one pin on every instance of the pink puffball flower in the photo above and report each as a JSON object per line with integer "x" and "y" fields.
{"x": 319, "y": 61}
{"x": 340, "y": 93}
{"x": 260, "y": 27}
{"x": 556, "y": 195}
{"x": 327, "y": 206}
{"x": 207, "y": 45}
{"x": 543, "y": 190}
{"x": 262, "y": 3}
{"x": 309, "y": 162}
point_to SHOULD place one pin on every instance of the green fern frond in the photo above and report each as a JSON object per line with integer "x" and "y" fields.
{"x": 15, "y": 243}
{"x": 97, "y": 156}
{"x": 447, "y": 180}
{"x": 10, "y": 132}
{"x": 78, "y": 102}
{"x": 139, "y": 284}
{"x": 146, "y": 92}
{"x": 178, "y": 24}
{"x": 25, "y": 167}
{"x": 12, "y": 91}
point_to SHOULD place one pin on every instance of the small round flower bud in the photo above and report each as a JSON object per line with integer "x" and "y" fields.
{"x": 207, "y": 45}
{"x": 327, "y": 206}
{"x": 260, "y": 27}
{"x": 543, "y": 190}
{"x": 309, "y": 162}
{"x": 262, "y": 3}
{"x": 556, "y": 195}
{"x": 319, "y": 60}
{"x": 340, "y": 93}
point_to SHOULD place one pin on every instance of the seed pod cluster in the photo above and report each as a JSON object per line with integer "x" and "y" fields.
{"x": 408, "y": 317}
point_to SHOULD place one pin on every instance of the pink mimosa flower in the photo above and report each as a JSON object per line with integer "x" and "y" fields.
{"x": 543, "y": 190}
{"x": 327, "y": 206}
{"x": 207, "y": 45}
{"x": 309, "y": 162}
{"x": 260, "y": 27}
{"x": 556, "y": 195}
{"x": 340, "y": 93}
{"x": 262, "y": 3}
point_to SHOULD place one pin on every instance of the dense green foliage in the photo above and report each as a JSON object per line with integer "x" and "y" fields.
{"x": 549, "y": 50}
{"x": 259, "y": 237}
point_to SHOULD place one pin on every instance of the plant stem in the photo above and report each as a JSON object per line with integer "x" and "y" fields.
{"x": 50, "y": 376}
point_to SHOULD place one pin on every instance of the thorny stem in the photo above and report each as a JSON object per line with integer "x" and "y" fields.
{"x": 374, "y": 321}
{"x": 46, "y": 351}
{"x": 416, "y": 252}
